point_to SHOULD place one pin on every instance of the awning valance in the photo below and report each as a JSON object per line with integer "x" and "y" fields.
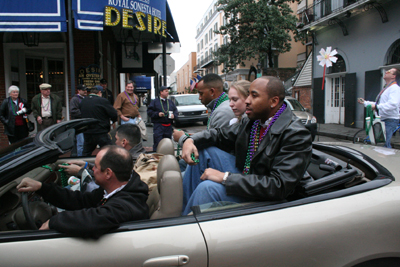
{"x": 33, "y": 16}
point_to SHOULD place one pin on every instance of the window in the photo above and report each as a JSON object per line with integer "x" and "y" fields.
{"x": 215, "y": 47}
{"x": 210, "y": 34}
{"x": 393, "y": 56}
{"x": 339, "y": 66}
{"x": 206, "y": 39}
{"x": 337, "y": 92}
{"x": 225, "y": 40}
{"x": 201, "y": 44}
{"x": 216, "y": 27}
{"x": 198, "y": 47}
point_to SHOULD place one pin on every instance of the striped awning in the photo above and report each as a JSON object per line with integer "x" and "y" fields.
{"x": 33, "y": 16}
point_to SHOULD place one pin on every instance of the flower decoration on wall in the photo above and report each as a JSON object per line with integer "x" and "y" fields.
{"x": 325, "y": 60}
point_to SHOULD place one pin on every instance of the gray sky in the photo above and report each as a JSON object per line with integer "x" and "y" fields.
{"x": 187, "y": 14}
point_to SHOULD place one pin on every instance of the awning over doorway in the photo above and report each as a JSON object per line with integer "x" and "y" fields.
{"x": 33, "y": 16}
{"x": 89, "y": 15}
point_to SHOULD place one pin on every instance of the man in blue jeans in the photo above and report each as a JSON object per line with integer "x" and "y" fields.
{"x": 387, "y": 103}
{"x": 262, "y": 158}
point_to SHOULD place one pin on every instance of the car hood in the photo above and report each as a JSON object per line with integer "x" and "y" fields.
{"x": 45, "y": 148}
{"x": 303, "y": 115}
{"x": 191, "y": 108}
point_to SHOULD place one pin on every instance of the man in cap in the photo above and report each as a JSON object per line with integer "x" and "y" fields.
{"x": 107, "y": 94}
{"x": 75, "y": 113}
{"x": 46, "y": 107}
{"x": 162, "y": 112}
{"x": 96, "y": 107}
{"x": 127, "y": 104}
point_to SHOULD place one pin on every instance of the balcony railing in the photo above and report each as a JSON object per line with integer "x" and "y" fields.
{"x": 202, "y": 63}
{"x": 322, "y": 8}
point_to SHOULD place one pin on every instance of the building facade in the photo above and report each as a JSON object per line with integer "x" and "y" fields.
{"x": 365, "y": 34}
{"x": 185, "y": 74}
{"x": 207, "y": 41}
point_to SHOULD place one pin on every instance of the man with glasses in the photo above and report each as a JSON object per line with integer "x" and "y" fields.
{"x": 387, "y": 103}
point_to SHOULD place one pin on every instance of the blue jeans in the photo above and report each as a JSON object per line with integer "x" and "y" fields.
{"x": 197, "y": 191}
{"x": 390, "y": 125}
{"x": 133, "y": 121}
{"x": 79, "y": 144}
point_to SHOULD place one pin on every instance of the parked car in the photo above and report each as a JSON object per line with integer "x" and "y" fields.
{"x": 345, "y": 213}
{"x": 190, "y": 109}
{"x": 305, "y": 116}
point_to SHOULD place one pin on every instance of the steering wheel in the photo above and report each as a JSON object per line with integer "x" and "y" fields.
{"x": 27, "y": 212}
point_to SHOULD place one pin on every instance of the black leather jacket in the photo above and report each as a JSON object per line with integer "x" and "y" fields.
{"x": 279, "y": 163}
{"x": 7, "y": 116}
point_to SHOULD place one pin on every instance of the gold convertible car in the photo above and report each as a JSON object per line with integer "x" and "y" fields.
{"x": 345, "y": 213}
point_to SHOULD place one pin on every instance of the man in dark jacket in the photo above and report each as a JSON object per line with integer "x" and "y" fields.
{"x": 271, "y": 152}
{"x": 121, "y": 197}
{"x": 75, "y": 113}
{"x": 13, "y": 114}
{"x": 107, "y": 94}
{"x": 96, "y": 107}
{"x": 46, "y": 107}
{"x": 162, "y": 112}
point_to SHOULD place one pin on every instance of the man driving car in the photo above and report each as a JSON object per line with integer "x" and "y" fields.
{"x": 121, "y": 197}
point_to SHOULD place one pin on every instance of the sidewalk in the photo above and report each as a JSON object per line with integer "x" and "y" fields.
{"x": 346, "y": 133}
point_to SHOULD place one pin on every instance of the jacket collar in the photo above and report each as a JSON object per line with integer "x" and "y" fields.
{"x": 282, "y": 122}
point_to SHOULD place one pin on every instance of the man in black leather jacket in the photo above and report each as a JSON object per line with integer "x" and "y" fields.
{"x": 267, "y": 170}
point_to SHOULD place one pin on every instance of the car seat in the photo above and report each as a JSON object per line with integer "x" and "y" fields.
{"x": 166, "y": 147}
{"x": 167, "y": 199}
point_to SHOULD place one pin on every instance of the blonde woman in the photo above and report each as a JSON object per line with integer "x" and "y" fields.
{"x": 238, "y": 92}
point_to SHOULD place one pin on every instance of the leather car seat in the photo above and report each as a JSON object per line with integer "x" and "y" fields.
{"x": 166, "y": 147}
{"x": 166, "y": 200}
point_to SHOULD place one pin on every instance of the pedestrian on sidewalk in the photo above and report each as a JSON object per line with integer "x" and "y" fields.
{"x": 387, "y": 103}
{"x": 127, "y": 104}
{"x": 162, "y": 112}
{"x": 96, "y": 107}
{"x": 75, "y": 113}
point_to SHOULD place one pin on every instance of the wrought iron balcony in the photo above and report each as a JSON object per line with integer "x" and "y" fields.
{"x": 328, "y": 12}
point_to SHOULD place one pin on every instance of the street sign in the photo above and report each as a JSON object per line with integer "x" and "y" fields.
{"x": 158, "y": 65}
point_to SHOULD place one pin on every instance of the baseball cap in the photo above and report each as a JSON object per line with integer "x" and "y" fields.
{"x": 103, "y": 81}
{"x": 162, "y": 88}
{"x": 81, "y": 87}
{"x": 99, "y": 88}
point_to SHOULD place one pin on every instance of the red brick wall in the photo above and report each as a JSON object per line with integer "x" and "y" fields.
{"x": 304, "y": 94}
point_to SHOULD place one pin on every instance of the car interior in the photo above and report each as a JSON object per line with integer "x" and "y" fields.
{"x": 330, "y": 170}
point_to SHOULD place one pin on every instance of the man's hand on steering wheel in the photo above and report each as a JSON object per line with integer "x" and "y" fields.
{"x": 29, "y": 185}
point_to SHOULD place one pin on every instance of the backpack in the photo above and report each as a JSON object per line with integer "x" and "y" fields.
{"x": 146, "y": 166}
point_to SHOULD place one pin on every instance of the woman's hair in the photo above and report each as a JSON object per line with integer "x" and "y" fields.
{"x": 242, "y": 87}
{"x": 13, "y": 88}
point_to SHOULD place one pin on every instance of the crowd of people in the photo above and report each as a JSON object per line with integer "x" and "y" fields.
{"x": 254, "y": 149}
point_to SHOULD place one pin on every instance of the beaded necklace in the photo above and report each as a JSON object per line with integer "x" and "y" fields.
{"x": 45, "y": 108}
{"x": 12, "y": 106}
{"x": 131, "y": 99}
{"x": 255, "y": 138}
{"x": 223, "y": 97}
{"x": 162, "y": 106}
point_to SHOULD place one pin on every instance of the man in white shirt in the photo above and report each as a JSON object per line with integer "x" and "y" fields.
{"x": 387, "y": 103}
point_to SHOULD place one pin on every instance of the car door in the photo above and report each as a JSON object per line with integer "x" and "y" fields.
{"x": 166, "y": 242}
